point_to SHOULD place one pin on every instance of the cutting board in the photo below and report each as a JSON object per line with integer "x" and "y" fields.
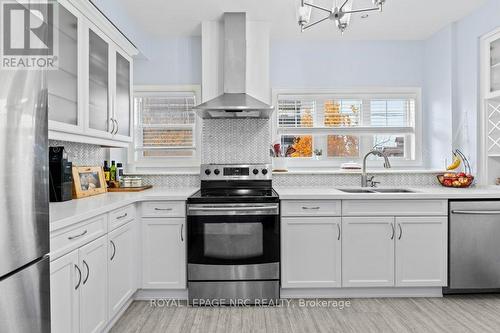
{"x": 129, "y": 189}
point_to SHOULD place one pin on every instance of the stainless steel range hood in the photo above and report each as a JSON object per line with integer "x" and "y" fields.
{"x": 235, "y": 102}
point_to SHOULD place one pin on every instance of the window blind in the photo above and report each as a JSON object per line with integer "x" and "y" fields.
{"x": 165, "y": 125}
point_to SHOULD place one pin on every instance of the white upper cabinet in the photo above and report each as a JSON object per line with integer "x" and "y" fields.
{"x": 122, "y": 101}
{"x": 492, "y": 52}
{"x": 421, "y": 251}
{"x": 99, "y": 93}
{"x": 90, "y": 94}
{"x": 64, "y": 98}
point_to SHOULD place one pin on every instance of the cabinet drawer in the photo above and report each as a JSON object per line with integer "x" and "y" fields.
{"x": 310, "y": 208}
{"x": 163, "y": 209}
{"x": 68, "y": 239}
{"x": 121, "y": 216}
{"x": 394, "y": 208}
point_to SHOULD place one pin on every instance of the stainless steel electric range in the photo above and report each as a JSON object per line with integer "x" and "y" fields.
{"x": 234, "y": 236}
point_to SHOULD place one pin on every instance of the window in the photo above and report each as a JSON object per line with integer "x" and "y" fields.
{"x": 327, "y": 128}
{"x": 165, "y": 127}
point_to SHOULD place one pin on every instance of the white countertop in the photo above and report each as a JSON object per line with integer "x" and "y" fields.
{"x": 430, "y": 192}
{"x": 65, "y": 213}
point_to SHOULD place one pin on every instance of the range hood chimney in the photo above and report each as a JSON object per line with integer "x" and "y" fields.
{"x": 235, "y": 102}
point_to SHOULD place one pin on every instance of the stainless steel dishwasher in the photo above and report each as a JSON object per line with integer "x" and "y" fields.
{"x": 474, "y": 247}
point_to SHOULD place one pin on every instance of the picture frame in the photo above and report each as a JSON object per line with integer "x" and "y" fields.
{"x": 88, "y": 181}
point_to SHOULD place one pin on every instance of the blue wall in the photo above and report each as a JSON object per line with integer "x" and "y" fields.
{"x": 172, "y": 61}
{"x": 466, "y": 73}
{"x": 346, "y": 63}
{"x": 437, "y": 99}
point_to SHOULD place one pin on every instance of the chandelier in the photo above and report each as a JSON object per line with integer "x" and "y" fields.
{"x": 341, "y": 15}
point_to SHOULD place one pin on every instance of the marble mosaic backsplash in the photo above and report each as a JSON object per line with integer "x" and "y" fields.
{"x": 319, "y": 180}
{"x": 82, "y": 154}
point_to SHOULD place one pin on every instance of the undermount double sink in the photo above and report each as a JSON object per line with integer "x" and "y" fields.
{"x": 375, "y": 190}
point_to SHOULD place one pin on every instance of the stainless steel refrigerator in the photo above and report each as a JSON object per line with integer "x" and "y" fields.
{"x": 24, "y": 203}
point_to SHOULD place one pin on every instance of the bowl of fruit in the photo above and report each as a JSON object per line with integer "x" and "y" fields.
{"x": 457, "y": 179}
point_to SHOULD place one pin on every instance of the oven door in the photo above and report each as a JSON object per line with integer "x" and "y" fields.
{"x": 233, "y": 241}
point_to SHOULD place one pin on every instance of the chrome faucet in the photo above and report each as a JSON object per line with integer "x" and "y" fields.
{"x": 368, "y": 181}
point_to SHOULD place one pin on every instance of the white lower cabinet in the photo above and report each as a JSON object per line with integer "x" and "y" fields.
{"x": 122, "y": 267}
{"x": 421, "y": 251}
{"x": 163, "y": 253}
{"x": 368, "y": 251}
{"x": 65, "y": 279}
{"x": 79, "y": 289}
{"x": 311, "y": 252}
{"x": 94, "y": 293}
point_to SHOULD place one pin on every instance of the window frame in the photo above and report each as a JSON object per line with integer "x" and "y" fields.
{"x": 387, "y": 92}
{"x": 155, "y": 164}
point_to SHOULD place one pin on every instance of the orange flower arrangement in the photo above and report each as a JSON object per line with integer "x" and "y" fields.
{"x": 303, "y": 146}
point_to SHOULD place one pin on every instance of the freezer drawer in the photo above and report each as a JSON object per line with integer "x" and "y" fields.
{"x": 25, "y": 300}
{"x": 474, "y": 251}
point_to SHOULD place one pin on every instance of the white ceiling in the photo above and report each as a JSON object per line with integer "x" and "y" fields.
{"x": 400, "y": 20}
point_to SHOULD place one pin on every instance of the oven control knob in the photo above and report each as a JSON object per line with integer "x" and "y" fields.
{"x": 255, "y": 171}
{"x": 207, "y": 172}
{"x": 264, "y": 171}
{"x": 217, "y": 171}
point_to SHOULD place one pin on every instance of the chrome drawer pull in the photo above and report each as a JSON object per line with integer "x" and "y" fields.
{"x": 78, "y": 236}
{"x": 122, "y": 216}
{"x": 163, "y": 209}
{"x": 476, "y": 212}
{"x": 311, "y": 208}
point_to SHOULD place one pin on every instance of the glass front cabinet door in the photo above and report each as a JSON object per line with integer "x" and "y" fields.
{"x": 99, "y": 93}
{"x": 122, "y": 106}
{"x": 65, "y": 113}
{"x": 493, "y": 66}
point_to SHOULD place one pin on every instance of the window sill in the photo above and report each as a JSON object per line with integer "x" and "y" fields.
{"x": 318, "y": 171}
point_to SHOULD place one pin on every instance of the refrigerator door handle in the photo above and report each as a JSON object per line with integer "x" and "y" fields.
{"x": 79, "y": 277}
{"x": 88, "y": 272}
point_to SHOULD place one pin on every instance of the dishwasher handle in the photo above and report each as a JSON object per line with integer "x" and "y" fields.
{"x": 476, "y": 212}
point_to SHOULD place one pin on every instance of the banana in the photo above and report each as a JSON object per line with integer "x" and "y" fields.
{"x": 455, "y": 164}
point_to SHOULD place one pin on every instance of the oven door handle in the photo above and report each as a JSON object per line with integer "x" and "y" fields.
{"x": 223, "y": 209}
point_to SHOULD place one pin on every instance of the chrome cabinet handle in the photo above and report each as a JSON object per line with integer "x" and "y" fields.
{"x": 400, "y": 231}
{"x": 113, "y": 123}
{"x": 122, "y": 216}
{"x": 393, "y": 231}
{"x": 79, "y": 277}
{"x": 78, "y": 236}
{"x": 117, "y": 126}
{"x": 476, "y": 212}
{"x": 182, "y": 232}
{"x": 163, "y": 209}
{"x": 338, "y": 229}
{"x": 114, "y": 250}
{"x": 310, "y": 208}
{"x": 88, "y": 272}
